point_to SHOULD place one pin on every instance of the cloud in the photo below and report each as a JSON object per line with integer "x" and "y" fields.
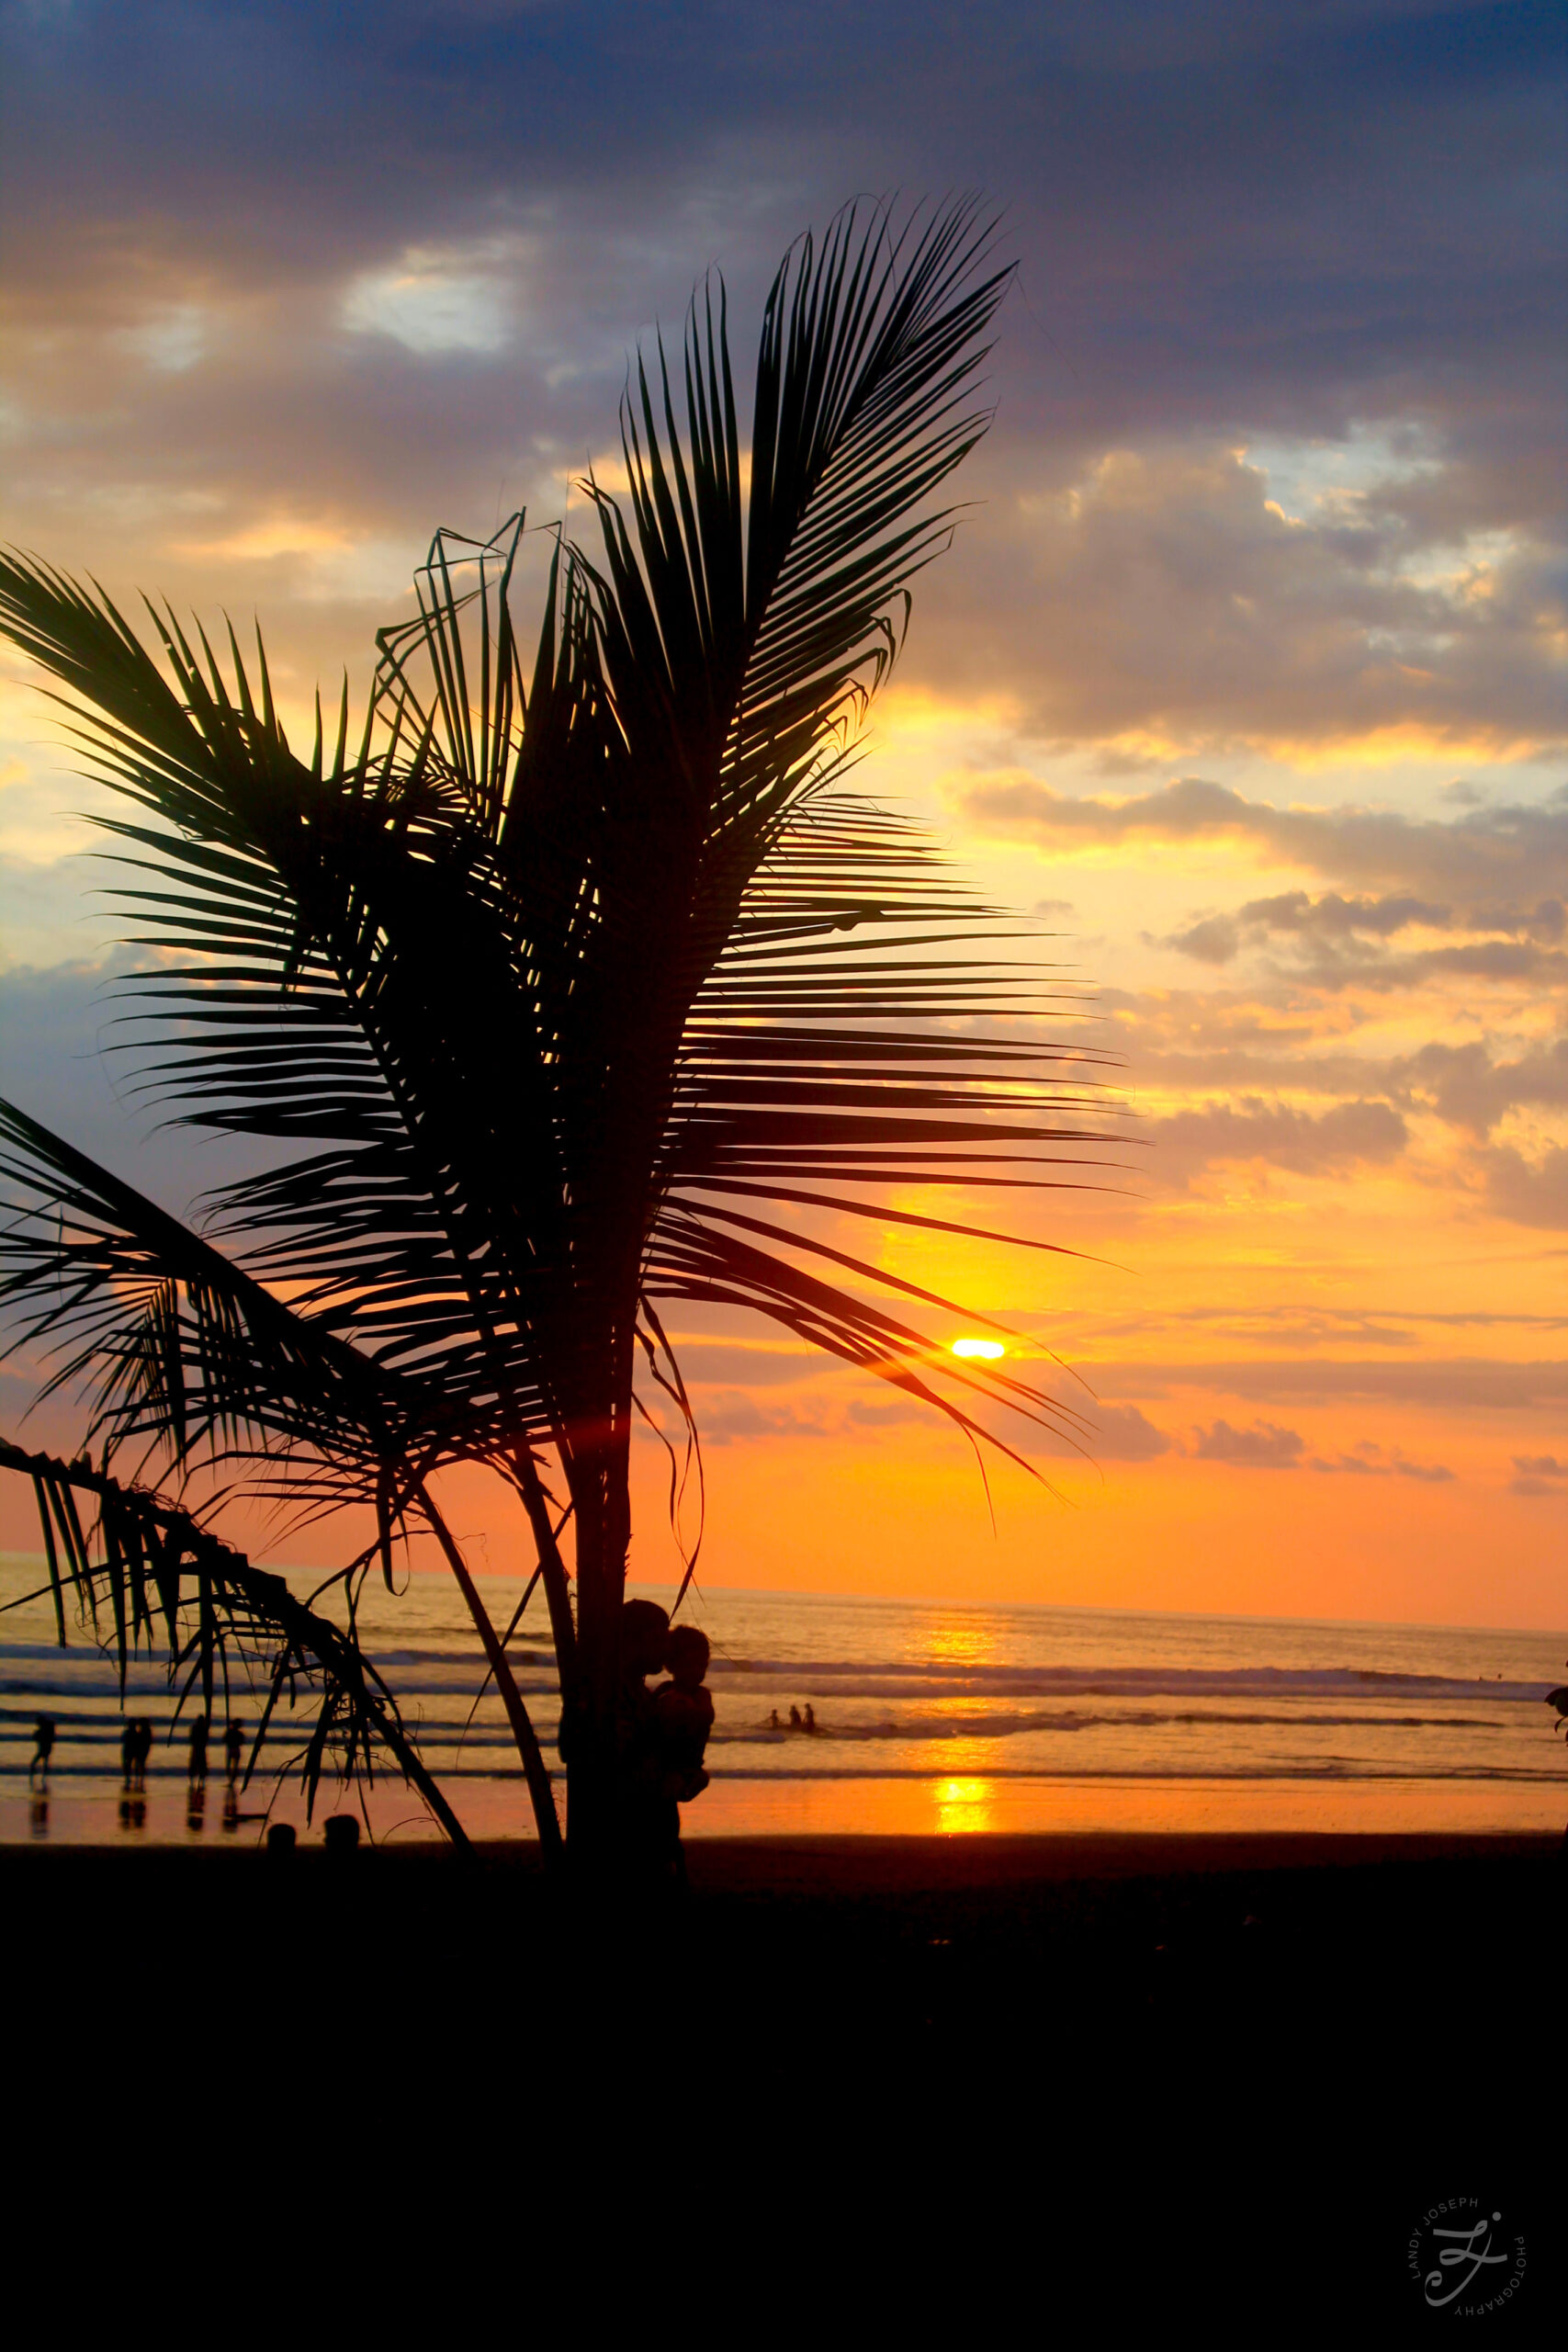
{"x": 1459, "y": 1385}
{"x": 1468, "y": 1088}
{"x": 1536, "y": 1475}
{"x": 1370, "y": 1461}
{"x": 1526, "y": 1193}
{"x": 1334, "y": 943}
{"x": 1351, "y": 1135}
{"x": 727, "y": 1414}
{"x": 1515, "y": 852}
{"x": 60, "y": 1026}
{"x": 1120, "y": 1433}
{"x": 1262, "y": 1447}
{"x": 705, "y": 1362}
{"x": 440, "y": 299}
{"x": 1213, "y": 939}
{"x": 1279, "y": 418}
{"x": 1182, "y": 603}
{"x": 730, "y": 1414}
{"x": 1217, "y": 938}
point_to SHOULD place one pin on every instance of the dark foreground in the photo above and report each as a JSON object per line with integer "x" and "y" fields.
{"x": 1324, "y": 2035}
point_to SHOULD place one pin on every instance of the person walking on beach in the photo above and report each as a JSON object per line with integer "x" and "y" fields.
{"x": 130, "y": 1744}
{"x": 233, "y": 1750}
{"x": 198, "y": 1737}
{"x": 810, "y": 1722}
{"x": 143, "y": 1750}
{"x": 43, "y": 1748}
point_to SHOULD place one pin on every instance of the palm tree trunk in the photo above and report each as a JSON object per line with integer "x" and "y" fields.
{"x": 598, "y": 1467}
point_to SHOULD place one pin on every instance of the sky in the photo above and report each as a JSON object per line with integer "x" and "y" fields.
{"x": 1244, "y": 676}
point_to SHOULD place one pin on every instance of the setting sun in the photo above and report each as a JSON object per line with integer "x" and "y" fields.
{"x": 987, "y": 1351}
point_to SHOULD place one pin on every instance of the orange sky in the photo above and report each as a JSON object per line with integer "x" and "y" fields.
{"x": 1244, "y": 677}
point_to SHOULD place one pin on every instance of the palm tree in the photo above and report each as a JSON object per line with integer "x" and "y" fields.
{"x": 569, "y": 998}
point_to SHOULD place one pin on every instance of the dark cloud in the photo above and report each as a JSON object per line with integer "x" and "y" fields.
{"x": 1262, "y": 1447}
{"x": 288, "y": 285}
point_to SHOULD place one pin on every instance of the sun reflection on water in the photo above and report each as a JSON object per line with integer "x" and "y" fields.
{"x": 960, "y": 1641}
{"x": 964, "y": 1807}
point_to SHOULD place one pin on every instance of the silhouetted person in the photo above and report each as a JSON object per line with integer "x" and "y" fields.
{"x": 1558, "y": 1699}
{"x": 200, "y": 1732}
{"x": 43, "y": 1748}
{"x": 128, "y": 1749}
{"x": 143, "y": 1750}
{"x": 683, "y": 1712}
{"x": 810, "y": 1722}
{"x": 233, "y": 1750}
{"x": 774, "y": 1722}
{"x": 794, "y": 1722}
{"x": 644, "y": 1639}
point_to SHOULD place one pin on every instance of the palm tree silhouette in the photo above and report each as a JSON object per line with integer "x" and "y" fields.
{"x": 569, "y": 998}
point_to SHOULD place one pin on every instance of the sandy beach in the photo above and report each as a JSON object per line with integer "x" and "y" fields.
{"x": 1280, "y": 2049}
{"x": 1445, "y": 1949}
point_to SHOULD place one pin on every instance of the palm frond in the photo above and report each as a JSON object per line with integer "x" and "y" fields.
{"x": 572, "y": 994}
{"x": 221, "y": 1617}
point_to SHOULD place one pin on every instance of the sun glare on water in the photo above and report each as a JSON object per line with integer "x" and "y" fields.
{"x": 986, "y": 1350}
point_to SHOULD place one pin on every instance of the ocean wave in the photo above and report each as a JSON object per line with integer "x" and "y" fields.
{"x": 1008, "y": 1726}
{"x": 37, "y": 1669}
{"x": 437, "y": 1731}
{"x": 813, "y": 1677}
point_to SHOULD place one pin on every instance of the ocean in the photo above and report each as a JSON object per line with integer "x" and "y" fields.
{"x": 927, "y": 1718}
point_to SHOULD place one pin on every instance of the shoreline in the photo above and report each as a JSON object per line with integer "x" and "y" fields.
{"x": 988, "y": 1857}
